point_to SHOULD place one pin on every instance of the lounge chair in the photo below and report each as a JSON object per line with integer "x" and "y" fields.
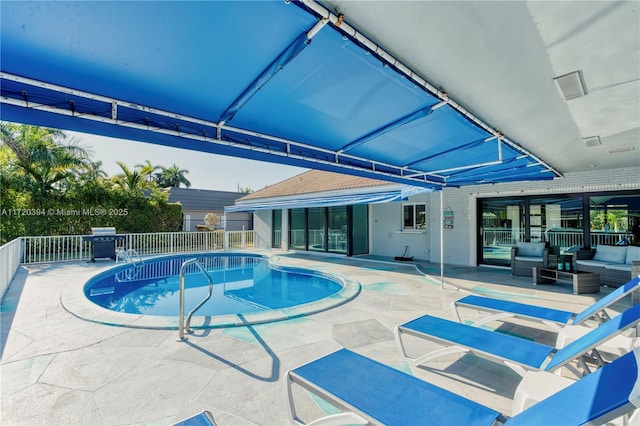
{"x": 554, "y": 318}
{"x": 521, "y": 355}
{"x": 203, "y": 418}
{"x": 369, "y": 392}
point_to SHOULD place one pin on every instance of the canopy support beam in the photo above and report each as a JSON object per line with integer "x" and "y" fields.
{"x": 416, "y": 115}
{"x": 349, "y": 31}
{"x": 368, "y": 167}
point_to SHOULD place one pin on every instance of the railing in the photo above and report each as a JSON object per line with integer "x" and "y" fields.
{"x": 502, "y": 237}
{"x": 10, "y": 259}
{"x": 563, "y": 239}
{"x": 72, "y": 247}
{"x": 135, "y": 265}
{"x": 182, "y": 327}
{"x": 63, "y": 248}
{"x": 128, "y": 256}
{"x": 58, "y": 248}
{"x": 175, "y": 242}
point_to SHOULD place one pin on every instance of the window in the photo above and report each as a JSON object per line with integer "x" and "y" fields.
{"x": 297, "y": 229}
{"x": 414, "y": 216}
{"x": 276, "y": 236}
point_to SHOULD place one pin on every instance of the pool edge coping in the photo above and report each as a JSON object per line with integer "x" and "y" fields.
{"x": 74, "y": 301}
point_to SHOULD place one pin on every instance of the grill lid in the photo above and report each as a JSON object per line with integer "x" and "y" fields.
{"x": 106, "y": 230}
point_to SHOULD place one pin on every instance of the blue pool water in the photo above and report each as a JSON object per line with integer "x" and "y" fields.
{"x": 242, "y": 284}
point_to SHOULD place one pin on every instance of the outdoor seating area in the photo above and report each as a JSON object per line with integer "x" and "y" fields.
{"x": 527, "y": 255}
{"x": 613, "y": 263}
{"x": 268, "y": 370}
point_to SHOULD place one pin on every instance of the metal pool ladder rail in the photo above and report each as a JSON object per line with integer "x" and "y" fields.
{"x": 182, "y": 326}
{"x": 128, "y": 255}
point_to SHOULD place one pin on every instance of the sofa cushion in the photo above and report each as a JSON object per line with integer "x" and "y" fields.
{"x": 633, "y": 253}
{"x": 592, "y": 263}
{"x": 530, "y": 249}
{"x": 529, "y": 258}
{"x": 618, "y": 267}
{"x": 611, "y": 254}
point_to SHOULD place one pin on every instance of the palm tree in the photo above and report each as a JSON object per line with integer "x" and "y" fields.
{"x": 137, "y": 180}
{"x": 43, "y": 156}
{"x": 173, "y": 176}
{"x": 94, "y": 171}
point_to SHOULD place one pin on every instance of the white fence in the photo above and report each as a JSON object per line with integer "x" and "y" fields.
{"x": 10, "y": 259}
{"x": 63, "y": 248}
{"x": 73, "y": 247}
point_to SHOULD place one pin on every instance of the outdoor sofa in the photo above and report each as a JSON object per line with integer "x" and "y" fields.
{"x": 614, "y": 264}
{"x": 526, "y": 255}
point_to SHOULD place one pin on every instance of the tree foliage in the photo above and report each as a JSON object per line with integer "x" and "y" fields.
{"x": 172, "y": 176}
{"x": 49, "y": 185}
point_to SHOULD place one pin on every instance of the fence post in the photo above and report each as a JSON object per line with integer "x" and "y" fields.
{"x": 243, "y": 239}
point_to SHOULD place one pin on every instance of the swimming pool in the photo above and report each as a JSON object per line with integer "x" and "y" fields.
{"x": 247, "y": 288}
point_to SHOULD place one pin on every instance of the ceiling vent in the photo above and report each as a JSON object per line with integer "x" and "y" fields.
{"x": 571, "y": 85}
{"x": 591, "y": 141}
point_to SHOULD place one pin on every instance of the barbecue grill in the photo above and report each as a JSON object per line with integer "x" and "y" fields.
{"x": 103, "y": 241}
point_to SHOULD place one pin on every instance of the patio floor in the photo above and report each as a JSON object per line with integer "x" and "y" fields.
{"x": 59, "y": 369}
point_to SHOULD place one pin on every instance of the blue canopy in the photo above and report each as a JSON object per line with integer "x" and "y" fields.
{"x": 356, "y": 196}
{"x": 277, "y": 81}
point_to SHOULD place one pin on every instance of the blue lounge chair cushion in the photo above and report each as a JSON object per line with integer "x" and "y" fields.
{"x": 608, "y": 300}
{"x": 388, "y": 395}
{"x": 520, "y": 309}
{"x": 549, "y": 314}
{"x": 510, "y": 349}
{"x": 391, "y": 397}
{"x": 204, "y": 418}
{"x": 595, "y": 337}
{"x": 480, "y": 341}
{"x": 601, "y": 396}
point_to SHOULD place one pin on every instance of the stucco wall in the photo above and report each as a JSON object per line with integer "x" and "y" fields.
{"x": 460, "y": 245}
{"x": 387, "y": 237}
{"x": 262, "y": 229}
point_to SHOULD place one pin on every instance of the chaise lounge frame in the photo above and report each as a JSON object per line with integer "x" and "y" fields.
{"x": 369, "y": 392}
{"x": 554, "y": 318}
{"x": 519, "y": 354}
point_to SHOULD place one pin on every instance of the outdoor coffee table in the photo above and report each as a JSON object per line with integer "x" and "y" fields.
{"x": 583, "y": 282}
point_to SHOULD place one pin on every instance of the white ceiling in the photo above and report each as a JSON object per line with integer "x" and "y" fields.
{"x": 498, "y": 60}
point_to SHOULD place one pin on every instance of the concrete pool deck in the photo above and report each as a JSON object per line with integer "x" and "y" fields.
{"x": 59, "y": 369}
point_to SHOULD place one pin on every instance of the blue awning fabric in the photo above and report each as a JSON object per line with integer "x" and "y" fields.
{"x": 262, "y": 80}
{"x": 384, "y": 196}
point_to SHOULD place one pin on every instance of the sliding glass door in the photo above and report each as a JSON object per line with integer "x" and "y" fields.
{"x": 502, "y": 225}
{"x": 336, "y": 229}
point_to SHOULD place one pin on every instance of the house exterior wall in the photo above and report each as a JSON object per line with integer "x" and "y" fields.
{"x": 387, "y": 238}
{"x": 262, "y": 220}
{"x": 460, "y": 242}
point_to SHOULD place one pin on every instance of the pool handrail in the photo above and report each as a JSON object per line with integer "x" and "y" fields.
{"x": 182, "y": 326}
{"x": 128, "y": 257}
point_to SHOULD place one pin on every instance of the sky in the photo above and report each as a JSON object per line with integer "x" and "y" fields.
{"x": 206, "y": 171}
